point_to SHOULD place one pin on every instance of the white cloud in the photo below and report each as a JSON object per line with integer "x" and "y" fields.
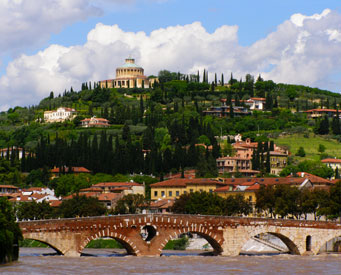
{"x": 27, "y": 24}
{"x": 304, "y": 53}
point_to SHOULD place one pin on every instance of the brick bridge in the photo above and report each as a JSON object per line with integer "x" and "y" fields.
{"x": 227, "y": 235}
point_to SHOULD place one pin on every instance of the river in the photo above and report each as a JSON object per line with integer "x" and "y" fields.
{"x": 32, "y": 261}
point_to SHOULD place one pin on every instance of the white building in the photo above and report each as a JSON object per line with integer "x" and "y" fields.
{"x": 95, "y": 122}
{"x": 256, "y": 103}
{"x": 333, "y": 163}
{"x": 60, "y": 115}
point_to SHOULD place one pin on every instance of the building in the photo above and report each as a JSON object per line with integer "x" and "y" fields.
{"x": 236, "y": 164}
{"x": 248, "y": 187}
{"x": 316, "y": 113}
{"x": 256, "y": 103}
{"x": 8, "y": 189}
{"x": 242, "y": 159}
{"x": 16, "y": 150}
{"x": 176, "y": 187}
{"x": 129, "y": 75}
{"x": 224, "y": 111}
{"x": 64, "y": 170}
{"x": 95, "y": 122}
{"x": 59, "y": 115}
{"x": 278, "y": 161}
{"x": 333, "y": 163}
{"x": 121, "y": 187}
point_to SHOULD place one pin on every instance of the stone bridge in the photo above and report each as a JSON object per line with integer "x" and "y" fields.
{"x": 227, "y": 235}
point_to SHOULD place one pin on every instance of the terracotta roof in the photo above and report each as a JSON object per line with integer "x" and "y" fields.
{"x": 184, "y": 182}
{"x": 8, "y": 186}
{"x": 55, "y": 203}
{"x": 74, "y": 170}
{"x": 253, "y": 187}
{"x": 314, "y": 179}
{"x": 116, "y": 184}
{"x": 109, "y": 196}
{"x": 90, "y": 194}
{"x": 320, "y": 110}
{"x": 234, "y": 158}
{"x": 330, "y": 160}
{"x": 162, "y": 204}
{"x": 258, "y": 98}
{"x": 265, "y": 181}
{"x": 91, "y": 189}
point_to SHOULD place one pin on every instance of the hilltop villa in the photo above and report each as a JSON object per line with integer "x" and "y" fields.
{"x": 59, "y": 115}
{"x": 129, "y": 75}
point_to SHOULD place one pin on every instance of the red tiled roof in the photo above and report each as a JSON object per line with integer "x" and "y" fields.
{"x": 116, "y": 184}
{"x": 74, "y": 170}
{"x": 184, "y": 182}
{"x": 258, "y": 98}
{"x": 320, "y": 110}
{"x": 330, "y": 160}
{"x": 8, "y": 186}
{"x": 55, "y": 203}
{"x": 162, "y": 204}
{"x": 108, "y": 196}
{"x": 314, "y": 179}
{"x": 90, "y": 189}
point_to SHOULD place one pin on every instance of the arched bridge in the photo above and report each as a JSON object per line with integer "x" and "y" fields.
{"x": 227, "y": 235}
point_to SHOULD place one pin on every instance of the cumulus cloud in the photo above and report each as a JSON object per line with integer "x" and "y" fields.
{"x": 26, "y": 24}
{"x": 302, "y": 50}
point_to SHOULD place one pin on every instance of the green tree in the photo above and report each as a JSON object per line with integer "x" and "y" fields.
{"x": 300, "y": 152}
{"x": 10, "y": 233}
{"x": 81, "y": 206}
{"x": 321, "y": 148}
{"x": 130, "y": 204}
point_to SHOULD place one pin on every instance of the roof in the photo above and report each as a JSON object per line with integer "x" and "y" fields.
{"x": 116, "y": 184}
{"x": 258, "y": 98}
{"x": 320, "y": 110}
{"x": 330, "y": 160}
{"x": 162, "y": 204}
{"x": 184, "y": 182}
{"x": 74, "y": 170}
{"x": 55, "y": 203}
{"x": 314, "y": 179}
{"x": 90, "y": 189}
{"x": 109, "y": 196}
{"x": 8, "y": 186}
{"x": 258, "y": 181}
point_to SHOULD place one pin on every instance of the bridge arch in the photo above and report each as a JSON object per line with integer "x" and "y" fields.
{"x": 128, "y": 244}
{"x": 291, "y": 245}
{"x": 325, "y": 240}
{"x": 44, "y": 241}
{"x": 213, "y": 240}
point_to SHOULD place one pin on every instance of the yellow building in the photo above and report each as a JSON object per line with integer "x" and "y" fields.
{"x": 174, "y": 188}
{"x": 278, "y": 161}
{"x": 129, "y": 75}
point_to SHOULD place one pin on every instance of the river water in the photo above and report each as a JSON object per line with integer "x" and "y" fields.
{"x": 32, "y": 261}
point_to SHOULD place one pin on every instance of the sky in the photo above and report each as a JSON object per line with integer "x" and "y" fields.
{"x": 52, "y": 45}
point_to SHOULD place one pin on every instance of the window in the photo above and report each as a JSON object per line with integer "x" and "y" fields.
{"x": 191, "y": 190}
{"x": 162, "y": 193}
{"x": 185, "y": 192}
{"x": 155, "y": 193}
{"x": 170, "y": 193}
{"x": 200, "y": 190}
{"x": 250, "y": 198}
{"x": 211, "y": 191}
{"x": 177, "y": 193}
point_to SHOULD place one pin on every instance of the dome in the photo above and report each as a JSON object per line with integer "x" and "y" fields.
{"x": 130, "y": 63}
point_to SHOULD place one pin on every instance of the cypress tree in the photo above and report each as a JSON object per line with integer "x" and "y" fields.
{"x": 215, "y": 79}
{"x": 336, "y": 124}
{"x": 222, "y": 79}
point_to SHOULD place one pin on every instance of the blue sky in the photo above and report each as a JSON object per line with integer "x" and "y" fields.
{"x": 261, "y": 31}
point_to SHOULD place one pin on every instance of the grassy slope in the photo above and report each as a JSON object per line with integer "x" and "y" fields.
{"x": 310, "y": 145}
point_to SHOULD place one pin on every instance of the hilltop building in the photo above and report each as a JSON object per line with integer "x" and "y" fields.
{"x": 129, "y": 75}
{"x": 95, "y": 122}
{"x": 59, "y": 115}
